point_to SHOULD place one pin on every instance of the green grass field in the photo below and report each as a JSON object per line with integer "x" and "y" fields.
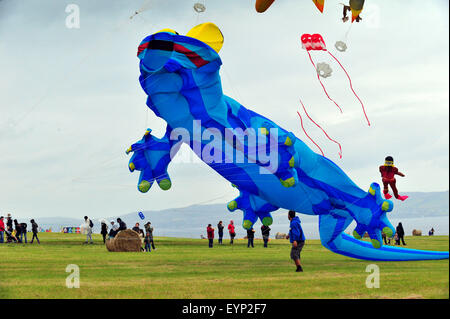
{"x": 188, "y": 269}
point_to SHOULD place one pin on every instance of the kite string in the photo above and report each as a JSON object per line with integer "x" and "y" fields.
{"x": 340, "y": 148}
{"x": 351, "y": 86}
{"x": 301, "y": 122}
{"x": 318, "y": 77}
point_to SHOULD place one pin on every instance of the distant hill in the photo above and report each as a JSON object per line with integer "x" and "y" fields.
{"x": 191, "y": 221}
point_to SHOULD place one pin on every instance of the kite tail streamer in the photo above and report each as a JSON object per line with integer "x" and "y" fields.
{"x": 351, "y": 86}
{"x": 318, "y": 77}
{"x": 340, "y": 148}
{"x": 301, "y": 122}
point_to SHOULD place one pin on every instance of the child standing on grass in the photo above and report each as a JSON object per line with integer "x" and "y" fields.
{"x": 231, "y": 231}
{"x": 210, "y": 231}
{"x": 297, "y": 238}
{"x": 148, "y": 247}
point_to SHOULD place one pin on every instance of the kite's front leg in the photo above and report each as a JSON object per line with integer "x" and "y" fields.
{"x": 151, "y": 156}
{"x": 253, "y": 207}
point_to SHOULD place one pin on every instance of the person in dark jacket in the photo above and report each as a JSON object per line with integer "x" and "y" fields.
{"x": 122, "y": 225}
{"x": 24, "y": 227}
{"x": 138, "y": 230}
{"x": 220, "y": 228}
{"x": 18, "y": 228}
{"x": 265, "y": 231}
{"x": 401, "y": 234}
{"x": 297, "y": 238}
{"x": 149, "y": 230}
{"x": 147, "y": 242}
{"x": 210, "y": 232}
{"x": 104, "y": 230}
{"x": 34, "y": 229}
{"x": 9, "y": 223}
{"x": 250, "y": 237}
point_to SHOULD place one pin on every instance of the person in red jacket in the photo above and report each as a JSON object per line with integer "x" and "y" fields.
{"x": 2, "y": 229}
{"x": 210, "y": 231}
{"x": 231, "y": 231}
{"x": 388, "y": 172}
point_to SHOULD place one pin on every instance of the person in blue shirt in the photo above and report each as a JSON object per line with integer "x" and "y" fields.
{"x": 297, "y": 238}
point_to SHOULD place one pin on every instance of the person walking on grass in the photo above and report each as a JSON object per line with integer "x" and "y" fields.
{"x": 297, "y": 238}
{"x": 34, "y": 229}
{"x": 265, "y": 230}
{"x": 2, "y": 230}
{"x": 231, "y": 231}
{"x": 210, "y": 232}
{"x": 250, "y": 237}
{"x": 88, "y": 224}
{"x": 104, "y": 230}
{"x": 220, "y": 228}
{"x": 401, "y": 234}
{"x": 18, "y": 228}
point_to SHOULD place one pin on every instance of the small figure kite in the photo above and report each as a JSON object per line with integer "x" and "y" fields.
{"x": 388, "y": 172}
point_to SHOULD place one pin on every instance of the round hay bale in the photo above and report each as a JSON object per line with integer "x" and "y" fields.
{"x": 125, "y": 241}
{"x": 280, "y": 235}
{"x": 417, "y": 232}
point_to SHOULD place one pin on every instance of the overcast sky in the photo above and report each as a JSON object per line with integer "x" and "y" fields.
{"x": 71, "y": 103}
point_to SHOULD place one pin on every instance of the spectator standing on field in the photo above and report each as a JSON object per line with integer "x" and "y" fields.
{"x": 147, "y": 242}
{"x": 210, "y": 231}
{"x": 149, "y": 230}
{"x": 23, "y": 226}
{"x": 250, "y": 237}
{"x": 88, "y": 224}
{"x": 231, "y": 231}
{"x": 18, "y": 231}
{"x": 265, "y": 230}
{"x": 401, "y": 234}
{"x": 9, "y": 223}
{"x": 35, "y": 230}
{"x": 104, "y": 230}
{"x": 297, "y": 238}
{"x": 2, "y": 230}
{"x": 220, "y": 228}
